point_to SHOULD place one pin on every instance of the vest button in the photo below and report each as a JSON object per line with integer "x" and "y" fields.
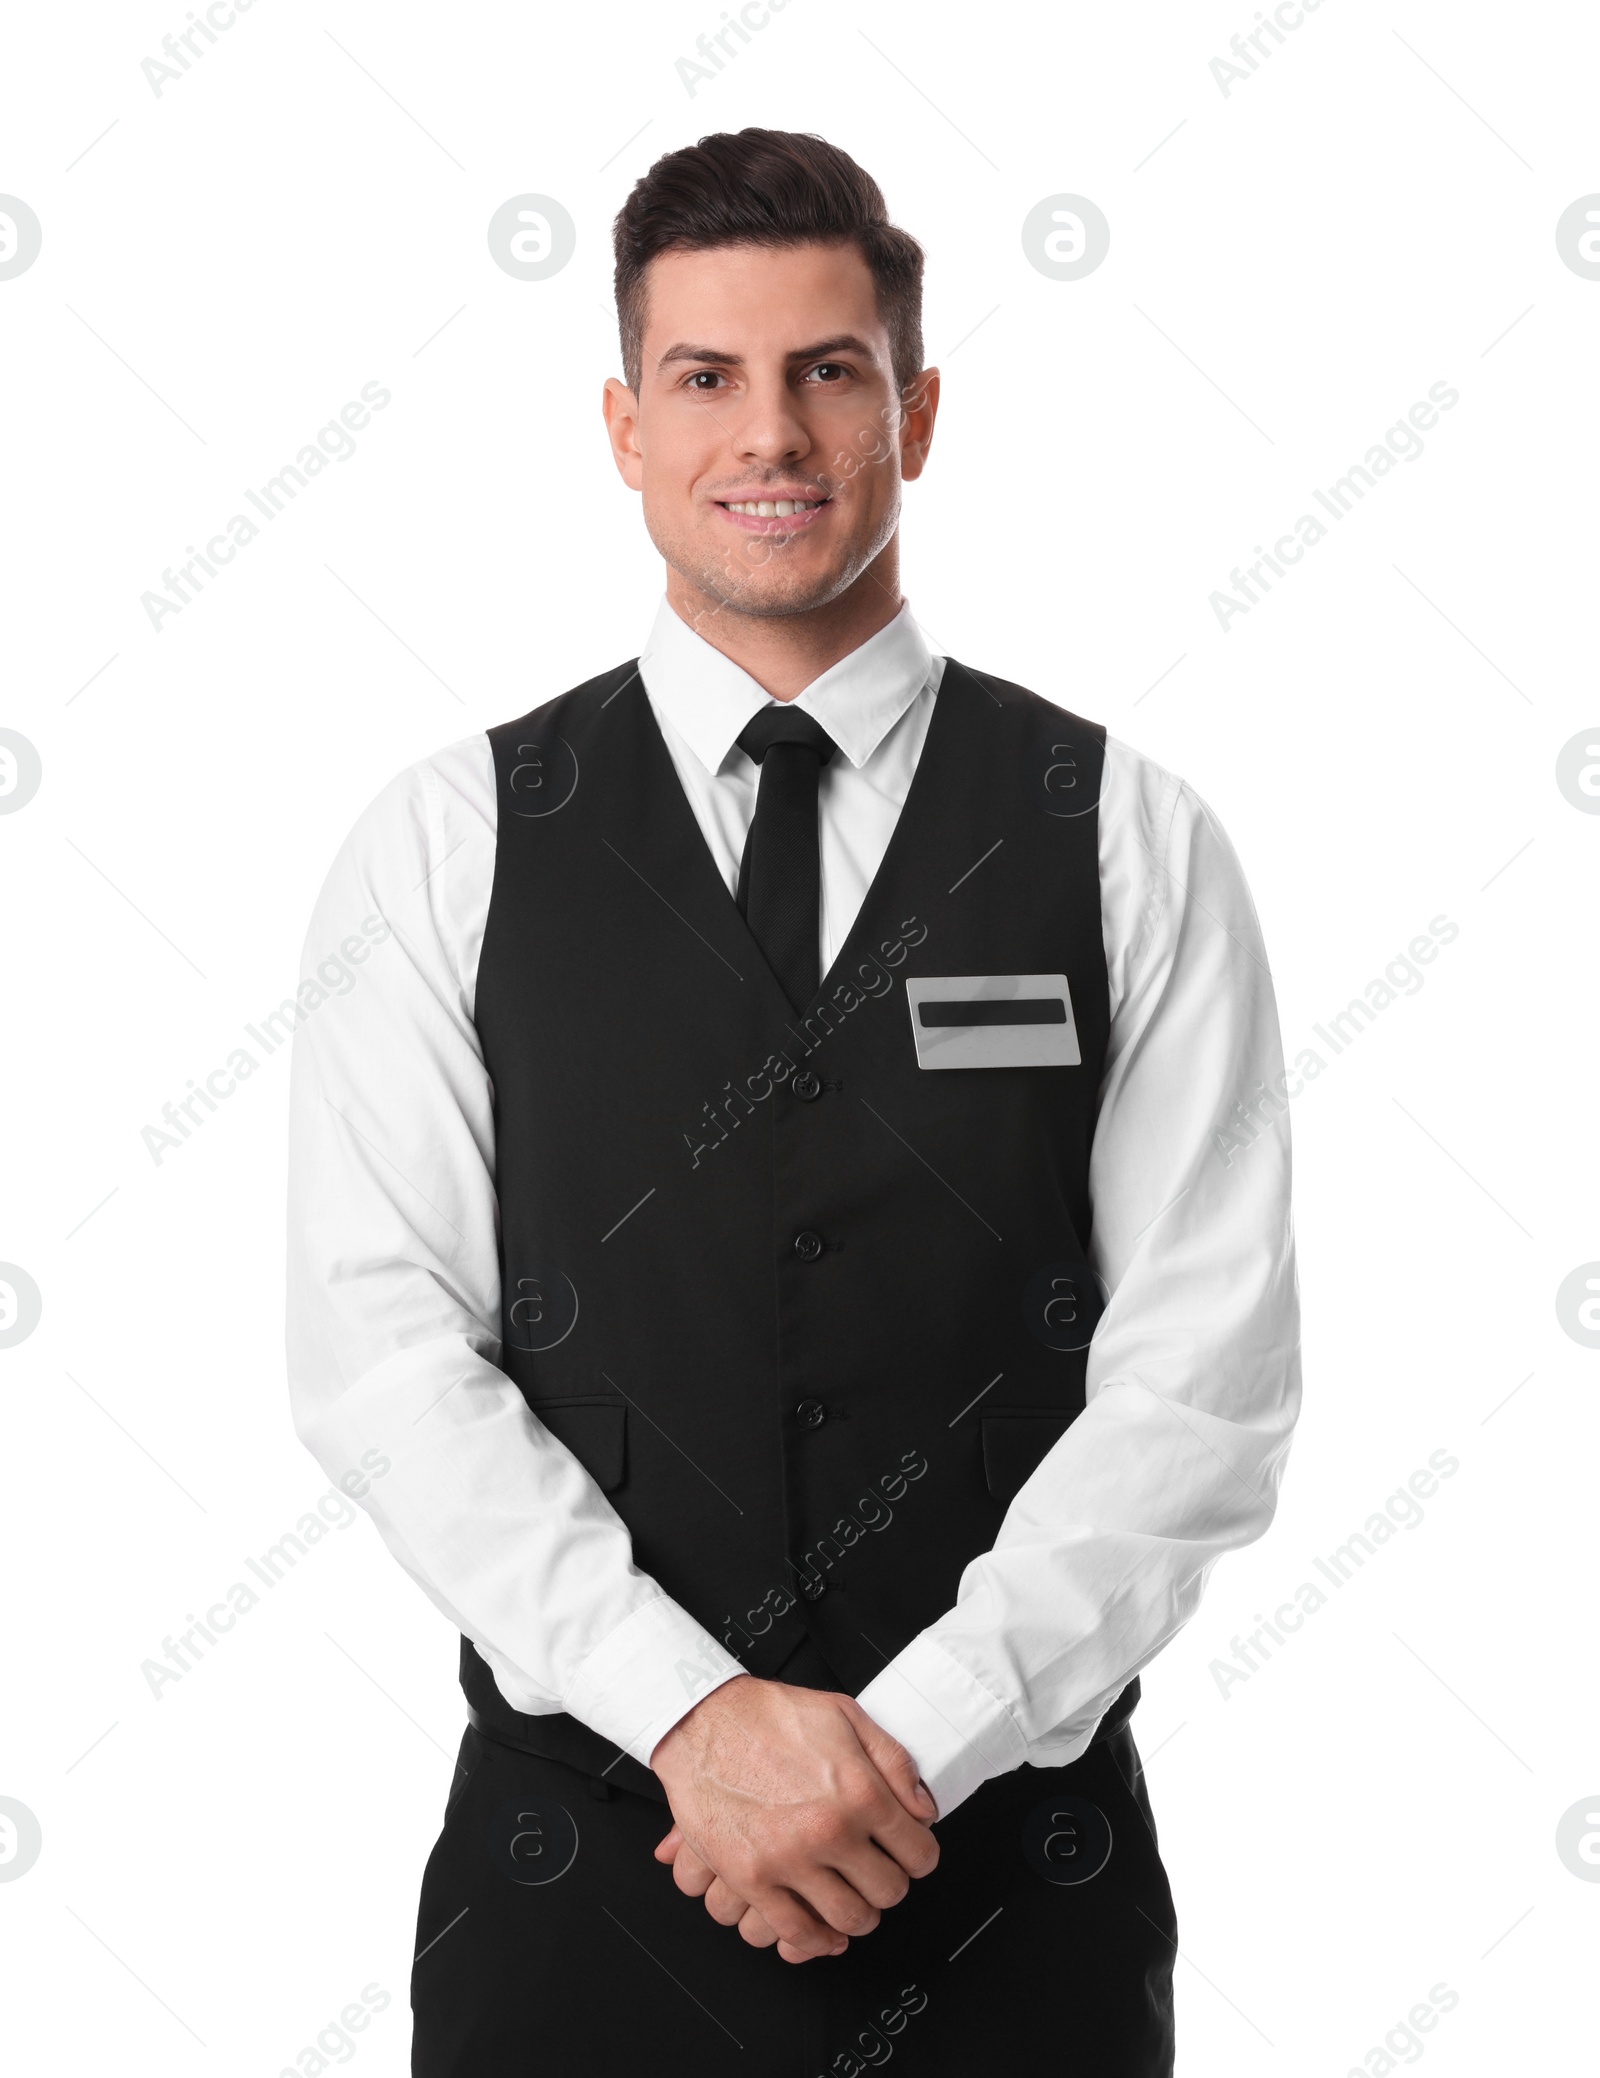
{"x": 808, "y": 1246}
{"x": 812, "y": 1413}
{"x": 813, "y": 1587}
{"x": 807, "y": 1086}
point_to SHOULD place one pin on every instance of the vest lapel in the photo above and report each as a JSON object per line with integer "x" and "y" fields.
{"x": 651, "y": 828}
{"x": 653, "y": 832}
{"x": 941, "y": 814}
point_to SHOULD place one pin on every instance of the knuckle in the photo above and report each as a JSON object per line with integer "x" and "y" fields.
{"x": 875, "y": 1794}
{"x": 747, "y": 1869}
{"x": 821, "y": 1827}
{"x": 858, "y": 1810}
{"x": 834, "y": 1829}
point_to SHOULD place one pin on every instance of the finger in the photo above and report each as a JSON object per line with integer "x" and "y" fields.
{"x": 793, "y": 1921}
{"x": 725, "y": 1905}
{"x": 869, "y": 1815}
{"x": 906, "y": 1840}
{"x": 893, "y": 1763}
{"x": 667, "y": 1848}
{"x": 754, "y": 1929}
{"x": 837, "y": 1903}
{"x": 875, "y": 1876}
{"x": 795, "y": 1955}
{"x": 695, "y": 1871}
{"x": 693, "y": 1876}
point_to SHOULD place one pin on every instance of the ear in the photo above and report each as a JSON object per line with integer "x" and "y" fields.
{"x": 621, "y": 409}
{"x": 919, "y": 406}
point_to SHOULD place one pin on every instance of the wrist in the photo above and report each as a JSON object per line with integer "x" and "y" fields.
{"x": 685, "y": 1738}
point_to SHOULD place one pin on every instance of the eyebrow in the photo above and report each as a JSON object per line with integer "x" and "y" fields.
{"x": 717, "y": 357}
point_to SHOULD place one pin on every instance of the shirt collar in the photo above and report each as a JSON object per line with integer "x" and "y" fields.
{"x": 708, "y": 698}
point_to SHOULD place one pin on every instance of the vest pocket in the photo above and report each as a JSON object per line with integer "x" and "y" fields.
{"x": 594, "y": 1427}
{"x": 1016, "y": 1441}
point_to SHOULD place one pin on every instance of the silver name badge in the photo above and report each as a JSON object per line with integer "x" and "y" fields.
{"x": 993, "y": 1021}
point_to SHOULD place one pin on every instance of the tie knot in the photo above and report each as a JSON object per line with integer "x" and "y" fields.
{"x": 783, "y": 722}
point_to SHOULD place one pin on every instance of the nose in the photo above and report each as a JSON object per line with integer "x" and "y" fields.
{"x": 768, "y": 427}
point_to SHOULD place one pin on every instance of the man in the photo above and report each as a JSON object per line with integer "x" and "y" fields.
{"x": 767, "y": 1222}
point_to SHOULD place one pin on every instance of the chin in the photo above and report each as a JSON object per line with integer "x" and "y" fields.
{"x": 768, "y": 601}
{"x": 770, "y": 589}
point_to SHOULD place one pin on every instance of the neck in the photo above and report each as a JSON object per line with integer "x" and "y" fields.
{"x": 783, "y": 653}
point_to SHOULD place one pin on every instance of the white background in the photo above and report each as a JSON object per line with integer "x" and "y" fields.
{"x": 1292, "y": 265}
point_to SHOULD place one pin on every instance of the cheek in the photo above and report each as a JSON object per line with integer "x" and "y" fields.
{"x": 870, "y": 443}
{"x": 872, "y": 492}
{"x": 667, "y": 493}
{"x": 680, "y": 443}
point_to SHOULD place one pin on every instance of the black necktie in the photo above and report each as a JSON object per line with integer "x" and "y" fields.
{"x": 780, "y": 878}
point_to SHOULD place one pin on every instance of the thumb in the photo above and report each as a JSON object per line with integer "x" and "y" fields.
{"x": 894, "y": 1764}
{"x": 667, "y": 1849}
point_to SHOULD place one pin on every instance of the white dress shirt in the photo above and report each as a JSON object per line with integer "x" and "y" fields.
{"x": 1193, "y": 1380}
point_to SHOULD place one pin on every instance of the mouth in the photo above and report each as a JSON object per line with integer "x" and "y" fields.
{"x": 773, "y": 515}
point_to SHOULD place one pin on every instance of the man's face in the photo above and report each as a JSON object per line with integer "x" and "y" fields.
{"x": 765, "y": 380}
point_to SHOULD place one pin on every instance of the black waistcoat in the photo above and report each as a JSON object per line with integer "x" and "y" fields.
{"x": 808, "y": 1312}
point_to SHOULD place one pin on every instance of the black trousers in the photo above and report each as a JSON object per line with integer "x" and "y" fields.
{"x": 549, "y": 1941}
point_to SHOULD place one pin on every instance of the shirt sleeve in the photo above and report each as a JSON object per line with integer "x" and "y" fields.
{"x": 394, "y": 1290}
{"x": 1193, "y": 1381}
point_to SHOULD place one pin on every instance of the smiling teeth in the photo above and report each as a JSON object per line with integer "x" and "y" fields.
{"x": 775, "y": 508}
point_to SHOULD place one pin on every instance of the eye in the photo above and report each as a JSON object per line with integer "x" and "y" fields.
{"x": 829, "y": 372}
{"x": 704, "y": 379}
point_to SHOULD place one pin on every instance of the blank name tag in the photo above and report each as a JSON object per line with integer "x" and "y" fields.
{"x": 993, "y": 1021}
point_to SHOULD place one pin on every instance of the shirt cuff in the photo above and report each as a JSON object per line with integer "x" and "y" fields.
{"x": 958, "y": 1734}
{"x": 652, "y": 1670}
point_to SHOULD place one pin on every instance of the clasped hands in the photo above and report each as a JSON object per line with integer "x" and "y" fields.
{"x": 796, "y": 1817}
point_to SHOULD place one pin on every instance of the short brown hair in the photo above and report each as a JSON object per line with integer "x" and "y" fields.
{"x": 773, "y": 188}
